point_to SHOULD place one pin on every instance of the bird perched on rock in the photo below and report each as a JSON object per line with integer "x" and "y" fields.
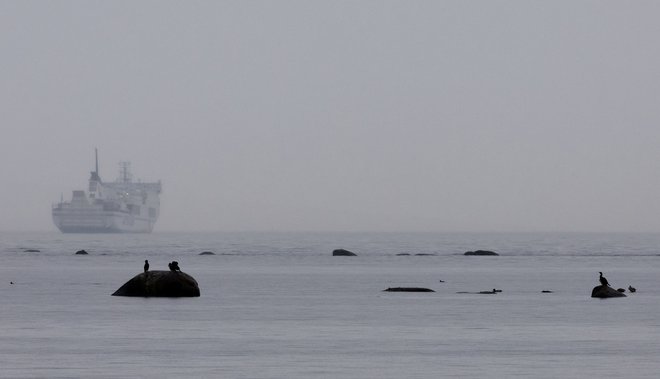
{"x": 174, "y": 266}
{"x": 602, "y": 279}
{"x": 146, "y": 265}
{"x": 632, "y": 289}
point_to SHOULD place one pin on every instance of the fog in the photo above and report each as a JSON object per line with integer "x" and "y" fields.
{"x": 338, "y": 115}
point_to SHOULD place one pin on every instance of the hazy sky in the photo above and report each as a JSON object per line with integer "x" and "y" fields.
{"x": 338, "y": 115}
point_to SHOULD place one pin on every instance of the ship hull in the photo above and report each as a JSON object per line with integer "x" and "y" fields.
{"x": 98, "y": 221}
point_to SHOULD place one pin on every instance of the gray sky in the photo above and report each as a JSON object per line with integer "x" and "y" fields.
{"x": 338, "y": 115}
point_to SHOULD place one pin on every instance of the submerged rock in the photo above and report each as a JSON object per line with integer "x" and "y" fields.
{"x": 480, "y": 252}
{"x": 478, "y": 293}
{"x": 403, "y": 254}
{"x": 408, "y": 289}
{"x": 207, "y": 253}
{"x": 81, "y": 252}
{"x": 604, "y": 292}
{"x": 32, "y": 250}
{"x": 343, "y": 253}
{"x": 160, "y": 284}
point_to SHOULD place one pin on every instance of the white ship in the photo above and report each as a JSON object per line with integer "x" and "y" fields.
{"x": 122, "y": 206}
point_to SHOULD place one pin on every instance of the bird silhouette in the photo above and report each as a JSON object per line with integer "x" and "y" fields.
{"x": 602, "y": 279}
{"x": 632, "y": 289}
{"x": 146, "y": 265}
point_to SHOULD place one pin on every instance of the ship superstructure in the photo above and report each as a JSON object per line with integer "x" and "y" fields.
{"x": 123, "y": 206}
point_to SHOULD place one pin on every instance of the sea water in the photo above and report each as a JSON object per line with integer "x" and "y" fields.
{"x": 279, "y": 305}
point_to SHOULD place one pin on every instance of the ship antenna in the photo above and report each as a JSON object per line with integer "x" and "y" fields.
{"x": 96, "y": 156}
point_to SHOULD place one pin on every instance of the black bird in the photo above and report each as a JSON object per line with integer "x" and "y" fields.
{"x": 632, "y": 289}
{"x": 146, "y": 265}
{"x": 174, "y": 266}
{"x": 603, "y": 281}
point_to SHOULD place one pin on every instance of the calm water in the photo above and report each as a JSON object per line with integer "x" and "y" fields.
{"x": 280, "y": 306}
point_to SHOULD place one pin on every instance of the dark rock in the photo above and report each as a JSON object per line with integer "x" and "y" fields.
{"x": 81, "y": 252}
{"x": 491, "y": 292}
{"x": 343, "y": 253}
{"x": 632, "y": 289}
{"x": 546, "y": 291}
{"x": 403, "y": 254}
{"x": 622, "y": 290}
{"x": 478, "y": 293}
{"x": 488, "y": 292}
{"x": 480, "y": 252}
{"x": 408, "y": 289}
{"x": 423, "y": 254}
{"x": 207, "y": 253}
{"x": 160, "y": 284}
{"x": 32, "y": 250}
{"x": 604, "y": 292}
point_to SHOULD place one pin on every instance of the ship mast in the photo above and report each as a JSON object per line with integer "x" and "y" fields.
{"x": 95, "y": 174}
{"x": 125, "y": 175}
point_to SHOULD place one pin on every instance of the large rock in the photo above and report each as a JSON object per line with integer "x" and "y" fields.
{"x": 604, "y": 292}
{"x": 160, "y": 284}
{"x": 343, "y": 253}
{"x": 408, "y": 289}
{"x": 480, "y": 252}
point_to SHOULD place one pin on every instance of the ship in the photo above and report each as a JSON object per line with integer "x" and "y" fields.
{"x": 122, "y": 206}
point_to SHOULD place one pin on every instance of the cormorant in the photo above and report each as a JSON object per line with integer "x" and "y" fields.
{"x": 632, "y": 289}
{"x": 603, "y": 281}
{"x": 146, "y": 265}
{"x": 174, "y": 266}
